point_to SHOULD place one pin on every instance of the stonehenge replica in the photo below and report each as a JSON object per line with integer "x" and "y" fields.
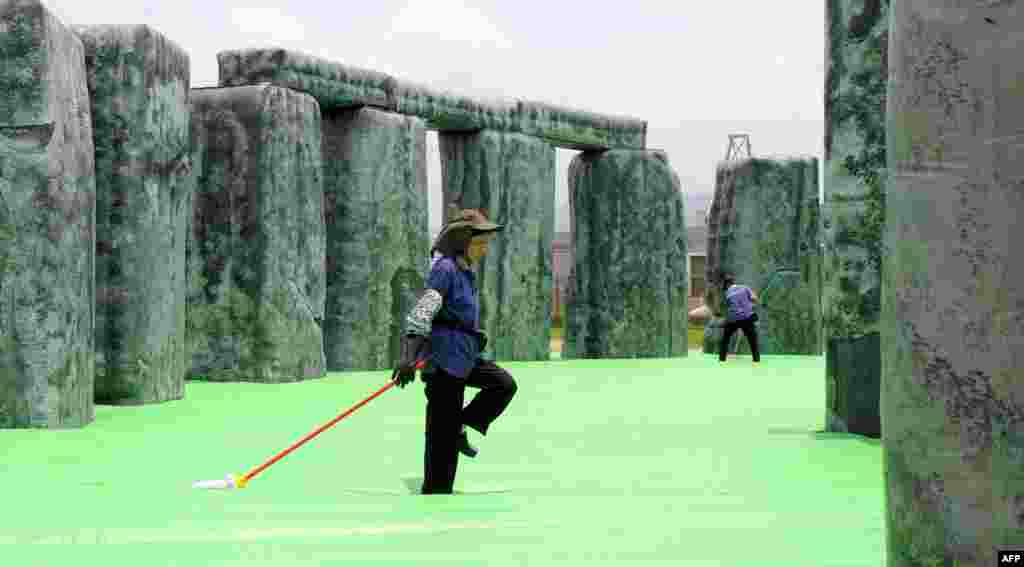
{"x": 275, "y": 227}
{"x": 48, "y": 220}
{"x": 952, "y": 317}
{"x": 256, "y": 283}
{"x": 854, "y": 174}
{"x": 763, "y": 227}
{"x": 143, "y": 195}
{"x": 513, "y": 173}
{"x": 628, "y": 282}
{"x": 920, "y": 306}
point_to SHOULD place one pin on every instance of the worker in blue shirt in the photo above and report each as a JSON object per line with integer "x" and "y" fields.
{"x": 740, "y": 314}
{"x": 443, "y": 327}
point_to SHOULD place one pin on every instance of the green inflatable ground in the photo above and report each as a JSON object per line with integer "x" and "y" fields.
{"x": 667, "y": 462}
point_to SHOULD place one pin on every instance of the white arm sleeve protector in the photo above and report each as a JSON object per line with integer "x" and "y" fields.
{"x": 419, "y": 319}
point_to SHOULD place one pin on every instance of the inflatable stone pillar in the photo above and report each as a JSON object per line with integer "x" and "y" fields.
{"x": 255, "y": 255}
{"x": 512, "y": 178}
{"x": 952, "y": 324}
{"x": 630, "y": 286}
{"x": 375, "y": 205}
{"x": 857, "y": 39}
{"x": 47, "y": 223}
{"x": 138, "y": 86}
{"x": 763, "y": 227}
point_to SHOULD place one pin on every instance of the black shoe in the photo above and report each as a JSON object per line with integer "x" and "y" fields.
{"x": 464, "y": 447}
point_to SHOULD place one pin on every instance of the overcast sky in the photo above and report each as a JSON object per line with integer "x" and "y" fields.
{"x": 696, "y": 71}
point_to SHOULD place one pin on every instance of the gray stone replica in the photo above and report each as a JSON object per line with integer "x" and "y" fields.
{"x": 630, "y": 283}
{"x": 375, "y": 195}
{"x": 853, "y": 216}
{"x": 763, "y": 227}
{"x": 577, "y": 129}
{"x": 512, "y": 178}
{"x": 138, "y": 87}
{"x": 498, "y": 156}
{"x": 47, "y": 223}
{"x": 952, "y": 324}
{"x": 255, "y": 254}
{"x": 333, "y": 85}
{"x": 449, "y": 112}
{"x": 341, "y": 86}
{"x": 276, "y": 225}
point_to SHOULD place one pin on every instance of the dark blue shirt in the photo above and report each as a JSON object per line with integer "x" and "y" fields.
{"x": 454, "y": 350}
{"x": 740, "y": 301}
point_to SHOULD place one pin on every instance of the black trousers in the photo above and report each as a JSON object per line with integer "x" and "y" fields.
{"x": 748, "y": 330}
{"x": 446, "y": 416}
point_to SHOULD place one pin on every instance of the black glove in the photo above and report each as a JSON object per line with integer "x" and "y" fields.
{"x": 411, "y": 346}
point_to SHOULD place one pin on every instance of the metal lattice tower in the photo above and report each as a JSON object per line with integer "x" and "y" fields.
{"x": 739, "y": 147}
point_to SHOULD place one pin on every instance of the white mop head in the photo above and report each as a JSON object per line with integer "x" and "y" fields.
{"x": 227, "y": 483}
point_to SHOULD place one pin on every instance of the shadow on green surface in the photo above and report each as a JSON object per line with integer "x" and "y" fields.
{"x": 413, "y": 485}
{"x": 824, "y": 435}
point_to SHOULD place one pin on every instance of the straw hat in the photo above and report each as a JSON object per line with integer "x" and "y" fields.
{"x": 463, "y": 225}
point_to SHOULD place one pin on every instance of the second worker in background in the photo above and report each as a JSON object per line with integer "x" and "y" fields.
{"x": 740, "y": 301}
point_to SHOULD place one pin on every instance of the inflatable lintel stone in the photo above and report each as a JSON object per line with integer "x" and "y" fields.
{"x": 339, "y": 86}
{"x": 333, "y": 85}
{"x": 450, "y": 112}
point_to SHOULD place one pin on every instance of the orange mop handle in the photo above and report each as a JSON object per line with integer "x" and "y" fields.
{"x": 249, "y": 475}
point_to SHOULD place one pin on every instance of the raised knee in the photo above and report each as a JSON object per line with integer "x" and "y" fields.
{"x": 510, "y": 386}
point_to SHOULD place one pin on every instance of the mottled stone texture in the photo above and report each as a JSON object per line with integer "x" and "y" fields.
{"x": 512, "y": 178}
{"x": 333, "y": 85}
{"x": 763, "y": 227}
{"x": 337, "y": 86}
{"x": 256, "y": 249}
{"x": 138, "y": 88}
{"x": 375, "y": 204}
{"x": 952, "y": 324}
{"x": 450, "y": 112}
{"x": 857, "y": 37}
{"x": 578, "y": 129}
{"x": 629, "y": 281}
{"x": 47, "y": 223}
